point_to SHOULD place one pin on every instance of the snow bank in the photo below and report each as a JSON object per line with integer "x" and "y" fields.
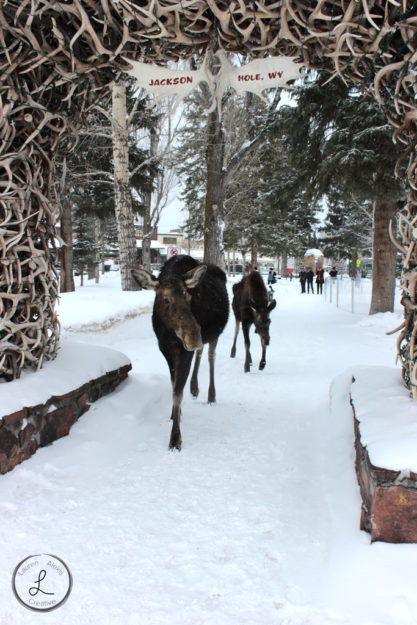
{"x": 96, "y": 307}
{"x": 387, "y": 416}
{"x": 75, "y": 364}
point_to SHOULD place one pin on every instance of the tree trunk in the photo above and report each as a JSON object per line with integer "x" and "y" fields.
{"x": 214, "y": 210}
{"x": 98, "y": 240}
{"x": 146, "y": 239}
{"x": 384, "y": 258}
{"x": 243, "y": 262}
{"x": 147, "y": 226}
{"x": 354, "y": 256}
{"x": 66, "y": 256}
{"x": 122, "y": 195}
{"x": 284, "y": 263}
{"x": 254, "y": 254}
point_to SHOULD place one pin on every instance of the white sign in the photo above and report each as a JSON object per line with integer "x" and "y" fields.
{"x": 173, "y": 251}
{"x": 255, "y": 77}
{"x": 264, "y": 73}
{"x": 165, "y": 82}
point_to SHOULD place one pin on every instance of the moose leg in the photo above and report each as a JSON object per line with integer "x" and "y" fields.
{"x": 233, "y": 350}
{"x": 179, "y": 366}
{"x": 248, "y": 359}
{"x": 262, "y": 362}
{"x": 175, "y": 440}
{"x": 194, "y": 378}
{"x": 212, "y": 358}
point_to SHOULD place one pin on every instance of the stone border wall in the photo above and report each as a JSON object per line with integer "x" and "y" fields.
{"x": 24, "y": 431}
{"x": 389, "y": 498}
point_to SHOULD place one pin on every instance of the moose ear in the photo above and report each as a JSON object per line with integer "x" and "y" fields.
{"x": 145, "y": 279}
{"x": 193, "y": 277}
{"x": 272, "y": 305}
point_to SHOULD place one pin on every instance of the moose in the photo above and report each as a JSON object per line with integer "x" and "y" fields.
{"x": 191, "y": 308}
{"x": 251, "y": 305}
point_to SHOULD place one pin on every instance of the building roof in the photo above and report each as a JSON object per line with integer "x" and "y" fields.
{"x": 314, "y": 252}
{"x": 154, "y": 244}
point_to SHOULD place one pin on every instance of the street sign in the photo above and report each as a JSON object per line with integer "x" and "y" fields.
{"x": 173, "y": 251}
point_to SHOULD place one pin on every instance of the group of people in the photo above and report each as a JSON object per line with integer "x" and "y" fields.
{"x": 307, "y": 279}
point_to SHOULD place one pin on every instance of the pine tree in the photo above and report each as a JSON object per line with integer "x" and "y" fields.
{"x": 289, "y": 209}
{"x": 344, "y": 145}
{"x": 86, "y": 248}
{"x": 347, "y": 229}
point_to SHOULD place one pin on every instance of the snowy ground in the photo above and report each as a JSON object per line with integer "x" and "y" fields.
{"x": 255, "y": 522}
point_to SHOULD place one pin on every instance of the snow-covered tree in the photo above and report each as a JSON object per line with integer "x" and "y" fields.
{"x": 344, "y": 145}
{"x": 347, "y": 229}
{"x": 89, "y": 173}
{"x": 210, "y": 158}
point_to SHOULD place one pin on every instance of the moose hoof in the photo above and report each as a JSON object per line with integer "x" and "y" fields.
{"x": 173, "y": 446}
{"x": 175, "y": 440}
{"x": 262, "y": 365}
{"x": 247, "y": 368}
{"x": 233, "y": 353}
{"x": 194, "y": 390}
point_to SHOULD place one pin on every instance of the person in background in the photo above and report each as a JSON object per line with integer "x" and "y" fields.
{"x": 320, "y": 280}
{"x": 271, "y": 276}
{"x": 303, "y": 278}
{"x": 310, "y": 278}
{"x": 333, "y": 273}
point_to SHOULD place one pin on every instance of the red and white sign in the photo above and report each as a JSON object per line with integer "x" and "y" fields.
{"x": 173, "y": 251}
{"x": 255, "y": 76}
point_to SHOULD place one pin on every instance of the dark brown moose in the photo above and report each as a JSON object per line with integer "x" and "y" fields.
{"x": 191, "y": 308}
{"x": 250, "y": 305}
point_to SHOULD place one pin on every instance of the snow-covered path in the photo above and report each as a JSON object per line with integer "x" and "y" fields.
{"x": 255, "y": 522}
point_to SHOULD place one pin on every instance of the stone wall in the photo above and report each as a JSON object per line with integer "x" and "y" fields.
{"x": 24, "y": 431}
{"x": 389, "y": 498}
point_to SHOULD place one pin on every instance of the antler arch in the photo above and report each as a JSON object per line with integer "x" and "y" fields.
{"x": 57, "y": 57}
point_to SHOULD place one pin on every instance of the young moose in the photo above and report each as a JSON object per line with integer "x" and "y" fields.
{"x": 191, "y": 308}
{"x": 250, "y": 305}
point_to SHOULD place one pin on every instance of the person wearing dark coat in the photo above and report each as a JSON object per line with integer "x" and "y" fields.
{"x": 333, "y": 273}
{"x": 320, "y": 280}
{"x": 310, "y": 278}
{"x": 303, "y": 278}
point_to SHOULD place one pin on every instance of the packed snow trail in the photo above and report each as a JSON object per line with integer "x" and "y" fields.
{"x": 254, "y": 522}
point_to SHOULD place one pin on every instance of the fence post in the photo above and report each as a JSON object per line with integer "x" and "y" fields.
{"x": 337, "y": 291}
{"x": 331, "y": 291}
{"x": 352, "y": 298}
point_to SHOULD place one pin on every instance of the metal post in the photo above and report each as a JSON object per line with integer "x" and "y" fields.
{"x": 352, "y": 298}
{"x": 337, "y": 292}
